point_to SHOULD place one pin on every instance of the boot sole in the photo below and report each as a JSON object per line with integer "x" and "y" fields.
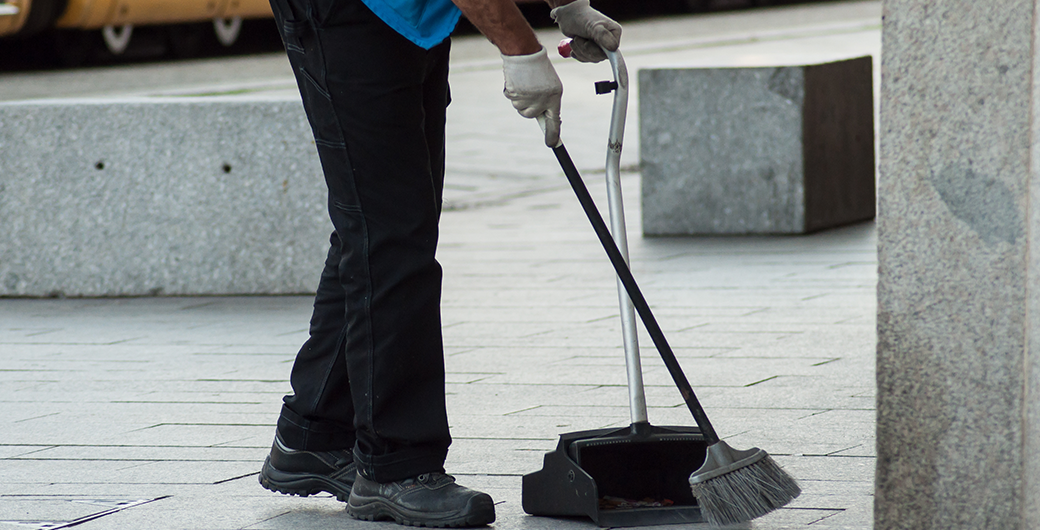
{"x": 301, "y": 484}
{"x": 479, "y": 511}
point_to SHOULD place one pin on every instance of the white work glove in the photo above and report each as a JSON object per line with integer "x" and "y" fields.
{"x": 535, "y": 90}
{"x": 590, "y": 29}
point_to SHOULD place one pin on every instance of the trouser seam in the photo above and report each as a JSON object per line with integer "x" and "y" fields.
{"x": 367, "y": 311}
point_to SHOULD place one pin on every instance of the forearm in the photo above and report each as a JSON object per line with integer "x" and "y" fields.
{"x": 503, "y": 24}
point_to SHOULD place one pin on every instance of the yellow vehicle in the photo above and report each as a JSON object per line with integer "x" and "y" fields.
{"x": 76, "y": 29}
{"x": 115, "y": 20}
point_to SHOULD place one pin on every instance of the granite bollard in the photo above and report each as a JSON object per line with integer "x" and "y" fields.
{"x": 785, "y": 150}
{"x": 174, "y": 196}
{"x": 958, "y": 365}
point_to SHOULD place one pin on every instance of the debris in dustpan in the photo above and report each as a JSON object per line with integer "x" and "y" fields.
{"x": 617, "y": 503}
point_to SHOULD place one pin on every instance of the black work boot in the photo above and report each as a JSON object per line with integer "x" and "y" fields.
{"x": 308, "y": 472}
{"x": 431, "y": 499}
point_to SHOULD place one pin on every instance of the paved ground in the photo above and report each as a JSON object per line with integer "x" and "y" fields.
{"x": 156, "y": 413}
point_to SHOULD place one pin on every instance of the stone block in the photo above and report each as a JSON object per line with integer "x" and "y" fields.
{"x": 148, "y": 196}
{"x": 785, "y": 150}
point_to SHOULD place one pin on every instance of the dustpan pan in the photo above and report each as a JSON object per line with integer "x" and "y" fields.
{"x": 638, "y": 475}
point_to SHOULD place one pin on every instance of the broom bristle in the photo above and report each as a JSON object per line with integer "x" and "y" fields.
{"x": 745, "y": 493}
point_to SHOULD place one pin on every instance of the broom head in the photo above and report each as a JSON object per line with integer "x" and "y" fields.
{"x": 737, "y": 486}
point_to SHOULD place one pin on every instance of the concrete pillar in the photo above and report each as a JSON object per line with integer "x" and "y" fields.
{"x": 959, "y": 260}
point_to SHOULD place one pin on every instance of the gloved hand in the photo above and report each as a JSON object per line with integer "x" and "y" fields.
{"x": 535, "y": 89}
{"x": 590, "y": 29}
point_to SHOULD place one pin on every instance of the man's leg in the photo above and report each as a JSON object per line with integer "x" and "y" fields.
{"x": 364, "y": 93}
{"x": 376, "y": 104}
{"x": 313, "y": 448}
{"x": 362, "y": 86}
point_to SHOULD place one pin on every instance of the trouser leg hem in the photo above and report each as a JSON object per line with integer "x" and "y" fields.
{"x": 308, "y": 435}
{"x": 391, "y": 468}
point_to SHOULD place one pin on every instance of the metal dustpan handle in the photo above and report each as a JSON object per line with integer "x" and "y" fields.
{"x": 636, "y": 395}
{"x": 616, "y": 245}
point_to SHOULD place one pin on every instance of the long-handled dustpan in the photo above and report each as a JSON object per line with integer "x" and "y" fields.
{"x": 645, "y": 474}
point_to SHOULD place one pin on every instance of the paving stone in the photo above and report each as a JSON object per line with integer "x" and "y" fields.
{"x": 48, "y": 472}
{"x": 211, "y": 510}
{"x": 29, "y": 508}
{"x": 192, "y": 435}
{"x": 147, "y": 454}
{"x": 13, "y": 451}
{"x": 858, "y": 516}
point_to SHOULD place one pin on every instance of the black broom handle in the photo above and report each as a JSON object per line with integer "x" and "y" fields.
{"x": 625, "y": 274}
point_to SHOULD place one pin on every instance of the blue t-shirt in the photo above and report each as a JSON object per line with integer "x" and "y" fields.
{"x": 425, "y": 22}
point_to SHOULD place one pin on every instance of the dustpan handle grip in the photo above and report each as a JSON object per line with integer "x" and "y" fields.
{"x": 625, "y": 274}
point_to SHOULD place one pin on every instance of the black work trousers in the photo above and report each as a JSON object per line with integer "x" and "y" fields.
{"x": 371, "y": 374}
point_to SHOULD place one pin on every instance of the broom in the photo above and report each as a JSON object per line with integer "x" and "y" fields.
{"x": 731, "y": 486}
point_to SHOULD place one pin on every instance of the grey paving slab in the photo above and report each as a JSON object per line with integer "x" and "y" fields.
{"x": 12, "y": 451}
{"x": 47, "y": 472}
{"x": 209, "y": 510}
{"x": 833, "y": 496}
{"x": 61, "y": 509}
{"x": 168, "y": 453}
{"x": 523, "y": 426}
{"x": 854, "y": 517}
{"x": 497, "y": 457}
{"x": 795, "y": 397}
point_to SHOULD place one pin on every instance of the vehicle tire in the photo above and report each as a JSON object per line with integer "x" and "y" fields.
{"x": 42, "y": 14}
{"x": 227, "y": 30}
{"x": 117, "y": 39}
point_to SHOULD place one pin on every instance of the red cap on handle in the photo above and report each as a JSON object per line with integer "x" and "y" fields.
{"x": 565, "y": 48}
